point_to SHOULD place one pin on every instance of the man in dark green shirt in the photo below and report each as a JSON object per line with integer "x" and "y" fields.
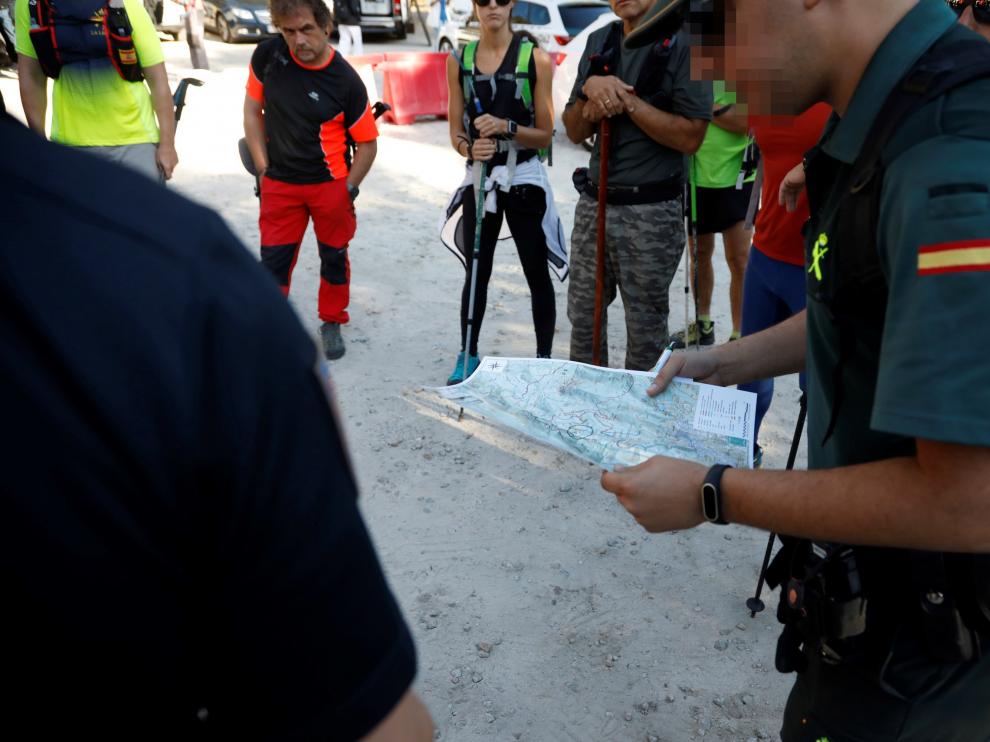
{"x": 657, "y": 114}
{"x": 896, "y": 357}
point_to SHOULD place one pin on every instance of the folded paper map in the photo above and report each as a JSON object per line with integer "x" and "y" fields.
{"x": 603, "y": 415}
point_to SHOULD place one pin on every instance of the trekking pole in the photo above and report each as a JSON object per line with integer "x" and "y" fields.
{"x": 755, "y": 604}
{"x": 686, "y": 208}
{"x": 693, "y": 240}
{"x": 179, "y": 97}
{"x": 604, "y": 139}
{"x": 479, "y": 215}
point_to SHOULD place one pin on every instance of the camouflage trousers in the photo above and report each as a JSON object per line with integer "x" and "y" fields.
{"x": 643, "y": 246}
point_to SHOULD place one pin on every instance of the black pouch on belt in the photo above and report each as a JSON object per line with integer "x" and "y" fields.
{"x": 580, "y": 179}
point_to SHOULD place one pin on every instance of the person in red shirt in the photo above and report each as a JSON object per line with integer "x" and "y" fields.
{"x": 304, "y": 106}
{"x": 774, "y": 287}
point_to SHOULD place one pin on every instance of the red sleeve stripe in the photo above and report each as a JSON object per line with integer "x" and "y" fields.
{"x": 954, "y": 257}
{"x": 364, "y": 129}
{"x": 255, "y": 89}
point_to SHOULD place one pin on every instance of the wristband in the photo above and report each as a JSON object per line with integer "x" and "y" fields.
{"x": 711, "y": 495}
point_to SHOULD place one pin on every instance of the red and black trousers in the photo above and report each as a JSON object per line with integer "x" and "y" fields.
{"x": 286, "y": 209}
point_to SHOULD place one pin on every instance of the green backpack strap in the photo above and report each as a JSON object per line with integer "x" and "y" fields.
{"x": 523, "y": 89}
{"x": 467, "y": 72}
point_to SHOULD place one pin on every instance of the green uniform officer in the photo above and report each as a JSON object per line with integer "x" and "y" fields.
{"x": 889, "y": 636}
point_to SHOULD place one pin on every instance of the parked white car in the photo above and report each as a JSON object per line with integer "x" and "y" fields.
{"x": 168, "y": 16}
{"x": 445, "y": 34}
{"x": 553, "y": 23}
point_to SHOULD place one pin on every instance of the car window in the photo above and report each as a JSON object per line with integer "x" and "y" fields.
{"x": 520, "y": 13}
{"x": 538, "y": 15}
{"x": 576, "y": 18}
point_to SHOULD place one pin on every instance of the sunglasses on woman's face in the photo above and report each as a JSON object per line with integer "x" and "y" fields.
{"x": 500, "y": 3}
{"x": 981, "y": 8}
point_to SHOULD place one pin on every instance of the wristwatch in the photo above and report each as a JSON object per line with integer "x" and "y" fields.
{"x": 511, "y": 128}
{"x": 353, "y": 191}
{"x": 711, "y": 495}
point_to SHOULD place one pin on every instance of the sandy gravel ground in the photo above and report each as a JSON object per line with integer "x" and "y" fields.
{"x": 540, "y": 609}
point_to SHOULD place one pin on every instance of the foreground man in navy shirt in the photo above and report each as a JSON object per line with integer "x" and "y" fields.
{"x": 182, "y": 554}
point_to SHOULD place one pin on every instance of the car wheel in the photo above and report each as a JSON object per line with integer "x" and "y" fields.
{"x": 223, "y": 29}
{"x": 445, "y": 46}
{"x": 400, "y": 30}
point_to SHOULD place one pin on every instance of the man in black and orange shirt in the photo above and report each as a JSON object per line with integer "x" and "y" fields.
{"x": 304, "y": 104}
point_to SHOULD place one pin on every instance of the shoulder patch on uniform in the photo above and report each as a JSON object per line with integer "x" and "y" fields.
{"x": 964, "y": 256}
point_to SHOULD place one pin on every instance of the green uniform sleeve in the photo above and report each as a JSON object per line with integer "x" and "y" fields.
{"x": 22, "y": 28}
{"x": 149, "y": 48}
{"x": 934, "y": 240}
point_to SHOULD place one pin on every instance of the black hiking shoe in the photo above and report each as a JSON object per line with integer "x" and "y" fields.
{"x": 333, "y": 343}
{"x": 707, "y": 335}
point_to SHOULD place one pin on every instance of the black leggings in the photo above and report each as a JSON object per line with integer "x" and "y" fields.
{"x": 523, "y": 207}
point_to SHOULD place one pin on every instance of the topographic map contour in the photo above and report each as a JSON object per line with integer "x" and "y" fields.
{"x": 603, "y": 415}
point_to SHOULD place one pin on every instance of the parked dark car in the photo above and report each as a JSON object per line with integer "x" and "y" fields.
{"x": 238, "y": 20}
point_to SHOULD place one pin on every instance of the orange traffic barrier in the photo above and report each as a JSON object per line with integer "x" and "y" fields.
{"x": 358, "y": 60}
{"x": 414, "y": 84}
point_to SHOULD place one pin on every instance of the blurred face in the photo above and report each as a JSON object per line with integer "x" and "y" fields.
{"x": 493, "y": 16}
{"x": 762, "y": 48}
{"x": 307, "y": 41}
{"x": 631, "y": 11}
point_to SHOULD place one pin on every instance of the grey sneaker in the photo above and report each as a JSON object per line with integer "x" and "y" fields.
{"x": 333, "y": 343}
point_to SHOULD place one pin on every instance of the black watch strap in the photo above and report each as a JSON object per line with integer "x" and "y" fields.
{"x": 711, "y": 495}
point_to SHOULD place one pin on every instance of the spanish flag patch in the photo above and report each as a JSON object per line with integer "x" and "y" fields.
{"x": 954, "y": 257}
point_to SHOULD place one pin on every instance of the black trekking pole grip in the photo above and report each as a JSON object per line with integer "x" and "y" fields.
{"x": 179, "y": 97}
{"x": 755, "y": 604}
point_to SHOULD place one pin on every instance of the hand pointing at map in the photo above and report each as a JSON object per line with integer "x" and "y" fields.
{"x": 703, "y": 367}
{"x": 661, "y": 493}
